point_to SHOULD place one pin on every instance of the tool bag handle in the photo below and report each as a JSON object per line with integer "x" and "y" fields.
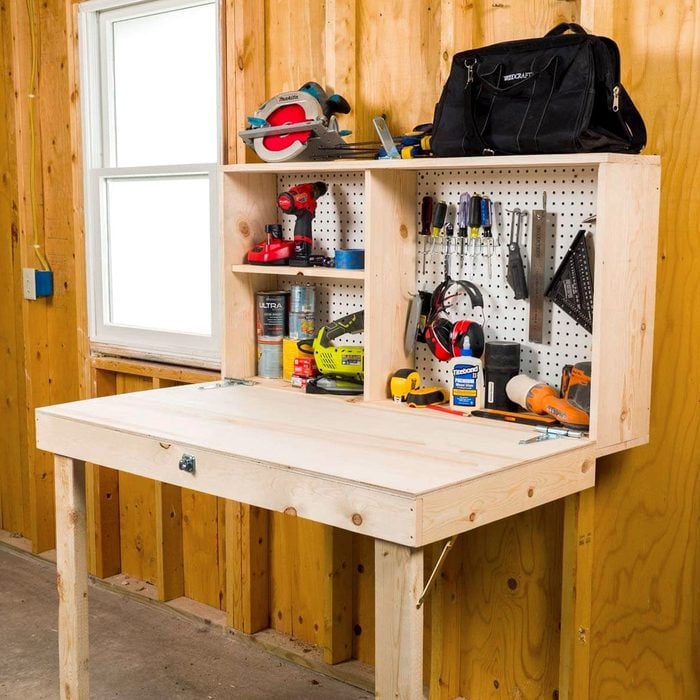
{"x": 565, "y": 27}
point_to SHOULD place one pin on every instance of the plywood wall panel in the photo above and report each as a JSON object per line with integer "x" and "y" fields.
{"x": 297, "y": 581}
{"x": 646, "y": 591}
{"x": 510, "y": 605}
{"x": 503, "y": 21}
{"x": 14, "y": 488}
{"x": 363, "y": 598}
{"x": 398, "y": 50}
{"x": 137, "y": 507}
{"x": 294, "y": 44}
{"x": 200, "y": 543}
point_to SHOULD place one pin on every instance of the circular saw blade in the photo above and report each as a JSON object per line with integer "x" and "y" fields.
{"x": 283, "y": 109}
{"x": 283, "y": 115}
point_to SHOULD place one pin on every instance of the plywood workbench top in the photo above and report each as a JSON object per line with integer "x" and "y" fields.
{"x": 412, "y": 455}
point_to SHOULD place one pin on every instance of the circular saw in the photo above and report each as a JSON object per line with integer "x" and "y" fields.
{"x": 297, "y": 125}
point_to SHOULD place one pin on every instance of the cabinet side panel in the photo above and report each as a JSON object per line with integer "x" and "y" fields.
{"x": 248, "y": 203}
{"x": 623, "y": 312}
{"x": 390, "y": 262}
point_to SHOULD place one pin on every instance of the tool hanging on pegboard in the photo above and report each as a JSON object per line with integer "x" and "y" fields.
{"x": 538, "y": 247}
{"x": 571, "y": 287}
{"x": 515, "y": 272}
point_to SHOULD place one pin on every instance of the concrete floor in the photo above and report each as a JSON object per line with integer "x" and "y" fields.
{"x": 138, "y": 650}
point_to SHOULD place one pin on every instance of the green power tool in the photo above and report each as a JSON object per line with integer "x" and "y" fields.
{"x": 343, "y": 364}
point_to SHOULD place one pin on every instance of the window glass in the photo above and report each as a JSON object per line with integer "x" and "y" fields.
{"x": 164, "y": 88}
{"x": 158, "y": 253}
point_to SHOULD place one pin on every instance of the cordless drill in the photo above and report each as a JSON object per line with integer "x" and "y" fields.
{"x": 300, "y": 201}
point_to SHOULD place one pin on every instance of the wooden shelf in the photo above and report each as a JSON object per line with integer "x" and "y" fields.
{"x": 288, "y": 271}
{"x": 531, "y": 161}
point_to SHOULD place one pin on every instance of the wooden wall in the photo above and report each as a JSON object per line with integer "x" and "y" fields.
{"x": 493, "y": 619}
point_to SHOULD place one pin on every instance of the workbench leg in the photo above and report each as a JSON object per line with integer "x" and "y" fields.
{"x": 398, "y": 621}
{"x": 71, "y": 578}
{"x": 577, "y": 571}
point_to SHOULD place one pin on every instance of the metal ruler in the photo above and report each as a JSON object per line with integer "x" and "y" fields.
{"x": 536, "y": 272}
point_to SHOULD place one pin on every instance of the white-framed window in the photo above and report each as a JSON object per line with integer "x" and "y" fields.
{"x": 151, "y": 106}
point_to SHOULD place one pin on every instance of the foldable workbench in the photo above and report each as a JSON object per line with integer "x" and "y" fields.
{"x": 406, "y": 477}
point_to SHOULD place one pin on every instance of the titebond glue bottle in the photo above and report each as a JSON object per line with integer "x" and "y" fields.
{"x": 466, "y": 381}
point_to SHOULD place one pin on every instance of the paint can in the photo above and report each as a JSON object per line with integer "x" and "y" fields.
{"x": 302, "y": 325}
{"x": 269, "y": 357}
{"x": 302, "y": 307}
{"x": 271, "y": 322}
{"x": 271, "y": 317}
{"x": 302, "y": 298}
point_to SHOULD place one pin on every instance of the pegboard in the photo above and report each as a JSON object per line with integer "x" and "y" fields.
{"x": 339, "y": 220}
{"x": 571, "y": 194}
{"x": 339, "y": 223}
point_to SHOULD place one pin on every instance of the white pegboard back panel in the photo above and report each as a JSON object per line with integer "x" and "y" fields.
{"x": 571, "y": 194}
{"x": 334, "y": 299}
{"x": 339, "y": 223}
{"x": 339, "y": 220}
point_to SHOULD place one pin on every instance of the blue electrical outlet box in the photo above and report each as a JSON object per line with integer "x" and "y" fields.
{"x": 36, "y": 283}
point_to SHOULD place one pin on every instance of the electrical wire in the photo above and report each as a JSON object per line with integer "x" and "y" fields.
{"x": 36, "y": 244}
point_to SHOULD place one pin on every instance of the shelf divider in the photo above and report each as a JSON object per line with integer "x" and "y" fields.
{"x": 390, "y": 278}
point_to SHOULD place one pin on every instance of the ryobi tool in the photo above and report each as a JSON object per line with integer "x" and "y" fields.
{"x": 298, "y": 125}
{"x": 342, "y": 363}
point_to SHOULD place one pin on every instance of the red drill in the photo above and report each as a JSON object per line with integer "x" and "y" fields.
{"x": 300, "y": 201}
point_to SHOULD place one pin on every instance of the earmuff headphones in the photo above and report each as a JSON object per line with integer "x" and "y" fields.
{"x": 444, "y": 338}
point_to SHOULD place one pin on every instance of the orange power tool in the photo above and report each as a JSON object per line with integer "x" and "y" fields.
{"x": 539, "y": 397}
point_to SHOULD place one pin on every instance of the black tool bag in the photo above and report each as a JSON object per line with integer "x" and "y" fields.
{"x": 557, "y": 94}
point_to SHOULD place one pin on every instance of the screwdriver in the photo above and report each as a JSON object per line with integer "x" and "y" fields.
{"x": 474, "y": 223}
{"x": 462, "y": 219}
{"x": 449, "y": 232}
{"x": 439, "y": 214}
{"x": 426, "y": 216}
{"x": 486, "y": 226}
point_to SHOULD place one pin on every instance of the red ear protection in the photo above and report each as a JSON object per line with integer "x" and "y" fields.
{"x": 446, "y": 339}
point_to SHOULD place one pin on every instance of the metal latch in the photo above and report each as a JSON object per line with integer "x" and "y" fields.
{"x": 187, "y": 463}
{"x": 547, "y": 433}
{"x": 228, "y": 381}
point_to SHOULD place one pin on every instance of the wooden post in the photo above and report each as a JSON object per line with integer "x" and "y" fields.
{"x": 170, "y": 579}
{"x": 337, "y": 618}
{"x": 247, "y": 567}
{"x": 577, "y": 567}
{"x": 102, "y": 494}
{"x": 398, "y": 621}
{"x": 71, "y": 578}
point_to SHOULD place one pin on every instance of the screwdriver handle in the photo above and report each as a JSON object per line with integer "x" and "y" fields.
{"x": 486, "y": 216}
{"x": 463, "y": 214}
{"x": 426, "y": 215}
{"x": 439, "y": 214}
{"x": 474, "y": 215}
